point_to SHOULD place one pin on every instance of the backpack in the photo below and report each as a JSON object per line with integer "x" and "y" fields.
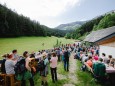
{"x": 3, "y": 70}
{"x": 66, "y": 55}
{"x": 83, "y": 67}
{"x": 41, "y": 65}
{"x": 19, "y": 67}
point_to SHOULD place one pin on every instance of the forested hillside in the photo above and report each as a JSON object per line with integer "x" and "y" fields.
{"x": 70, "y": 26}
{"x": 101, "y": 22}
{"x": 15, "y": 25}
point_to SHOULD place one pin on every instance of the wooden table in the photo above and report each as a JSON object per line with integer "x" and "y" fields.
{"x": 110, "y": 69}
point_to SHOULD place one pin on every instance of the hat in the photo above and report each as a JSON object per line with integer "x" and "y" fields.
{"x": 44, "y": 54}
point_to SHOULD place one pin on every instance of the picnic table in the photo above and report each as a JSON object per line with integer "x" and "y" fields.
{"x": 110, "y": 69}
{"x": 111, "y": 73}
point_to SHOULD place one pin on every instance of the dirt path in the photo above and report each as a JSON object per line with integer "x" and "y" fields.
{"x": 72, "y": 72}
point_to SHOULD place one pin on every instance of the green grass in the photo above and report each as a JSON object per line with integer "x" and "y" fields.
{"x": 84, "y": 77}
{"x": 34, "y": 44}
{"x": 29, "y": 43}
{"x": 60, "y": 70}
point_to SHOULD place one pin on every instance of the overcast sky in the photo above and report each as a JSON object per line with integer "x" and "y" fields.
{"x": 54, "y": 12}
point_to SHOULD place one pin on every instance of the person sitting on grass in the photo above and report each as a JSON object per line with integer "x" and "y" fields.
{"x": 53, "y": 67}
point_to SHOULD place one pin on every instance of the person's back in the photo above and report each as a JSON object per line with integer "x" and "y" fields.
{"x": 85, "y": 57}
{"x": 53, "y": 63}
{"x": 9, "y": 66}
{"x": 66, "y": 55}
{"x": 66, "y": 60}
{"x": 3, "y": 70}
{"x": 102, "y": 69}
{"x": 96, "y": 69}
{"x": 89, "y": 62}
{"x": 96, "y": 57}
{"x": 105, "y": 59}
{"x": 58, "y": 52}
{"x": 99, "y": 70}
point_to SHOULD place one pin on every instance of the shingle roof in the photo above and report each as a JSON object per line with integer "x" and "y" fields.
{"x": 100, "y": 34}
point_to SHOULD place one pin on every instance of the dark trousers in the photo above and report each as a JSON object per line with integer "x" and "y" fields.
{"x": 59, "y": 58}
{"x": 66, "y": 65}
{"x": 54, "y": 74}
{"x": 23, "y": 83}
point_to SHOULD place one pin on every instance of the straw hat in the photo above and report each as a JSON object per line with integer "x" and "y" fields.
{"x": 44, "y": 54}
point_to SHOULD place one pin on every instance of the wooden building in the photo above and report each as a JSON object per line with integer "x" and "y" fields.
{"x": 105, "y": 38}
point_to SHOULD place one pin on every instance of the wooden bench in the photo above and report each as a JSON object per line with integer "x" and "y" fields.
{"x": 3, "y": 82}
{"x": 9, "y": 80}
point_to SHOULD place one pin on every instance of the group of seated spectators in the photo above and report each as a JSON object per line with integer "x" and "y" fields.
{"x": 93, "y": 62}
{"x": 25, "y": 66}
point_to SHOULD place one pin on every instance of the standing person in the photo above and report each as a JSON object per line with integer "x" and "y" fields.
{"x": 62, "y": 54}
{"x": 66, "y": 60}
{"x": 58, "y": 54}
{"x": 15, "y": 55}
{"x": 3, "y": 70}
{"x": 53, "y": 67}
{"x": 44, "y": 70}
{"x": 9, "y": 65}
{"x": 27, "y": 74}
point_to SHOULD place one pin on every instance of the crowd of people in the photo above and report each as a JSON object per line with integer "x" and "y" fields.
{"x": 94, "y": 62}
{"x": 25, "y": 66}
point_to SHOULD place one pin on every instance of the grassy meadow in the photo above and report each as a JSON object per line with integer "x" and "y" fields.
{"x": 29, "y": 43}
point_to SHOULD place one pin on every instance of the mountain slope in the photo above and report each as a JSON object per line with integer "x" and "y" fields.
{"x": 70, "y": 26}
{"x": 104, "y": 21}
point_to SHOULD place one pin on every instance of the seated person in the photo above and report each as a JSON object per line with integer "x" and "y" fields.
{"x": 96, "y": 57}
{"x": 89, "y": 61}
{"x": 110, "y": 58}
{"x": 112, "y": 61}
{"x": 84, "y": 58}
{"x": 99, "y": 70}
{"x": 89, "y": 64}
{"x": 105, "y": 59}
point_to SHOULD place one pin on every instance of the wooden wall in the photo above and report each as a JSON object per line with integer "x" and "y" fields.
{"x": 108, "y": 42}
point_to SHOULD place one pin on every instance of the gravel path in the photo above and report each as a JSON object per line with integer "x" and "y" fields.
{"x": 72, "y": 72}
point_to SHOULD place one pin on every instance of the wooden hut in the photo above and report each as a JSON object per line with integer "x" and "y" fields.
{"x": 105, "y": 38}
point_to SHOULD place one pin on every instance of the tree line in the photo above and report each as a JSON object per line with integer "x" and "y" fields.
{"x": 14, "y": 25}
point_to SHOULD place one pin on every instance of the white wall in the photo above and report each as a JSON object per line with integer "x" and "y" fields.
{"x": 107, "y": 50}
